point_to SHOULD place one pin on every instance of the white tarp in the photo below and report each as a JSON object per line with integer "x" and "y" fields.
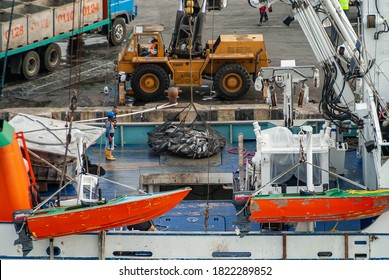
{"x": 49, "y": 135}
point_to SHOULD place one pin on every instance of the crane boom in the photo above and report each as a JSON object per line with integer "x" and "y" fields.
{"x": 188, "y": 27}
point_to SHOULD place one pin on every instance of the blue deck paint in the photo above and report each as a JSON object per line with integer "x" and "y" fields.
{"x": 136, "y": 159}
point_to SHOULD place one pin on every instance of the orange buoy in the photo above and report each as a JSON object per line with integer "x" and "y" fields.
{"x": 14, "y": 179}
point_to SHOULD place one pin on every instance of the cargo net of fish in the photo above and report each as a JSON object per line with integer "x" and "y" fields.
{"x": 194, "y": 140}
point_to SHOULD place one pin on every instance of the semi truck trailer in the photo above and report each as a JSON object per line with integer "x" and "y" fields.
{"x": 29, "y": 30}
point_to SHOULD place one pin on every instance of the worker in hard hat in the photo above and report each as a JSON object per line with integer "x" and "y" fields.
{"x": 109, "y": 135}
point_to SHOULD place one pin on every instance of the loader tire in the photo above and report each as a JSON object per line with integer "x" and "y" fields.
{"x": 232, "y": 81}
{"x": 149, "y": 82}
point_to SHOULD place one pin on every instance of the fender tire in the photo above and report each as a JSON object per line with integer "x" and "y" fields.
{"x": 232, "y": 81}
{"x": 149, "y": 82}
{"x": 30, "y": 65}
{"x": 118, "y": 32}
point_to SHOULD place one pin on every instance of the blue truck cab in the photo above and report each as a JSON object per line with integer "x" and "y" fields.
{"x": 121, "y": 12}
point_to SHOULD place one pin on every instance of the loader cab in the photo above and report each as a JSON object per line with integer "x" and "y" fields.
{"x": 145, "y": 38}
{"x": 149, "y": 46}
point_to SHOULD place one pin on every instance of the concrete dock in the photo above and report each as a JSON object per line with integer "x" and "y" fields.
{"x": 49, "y": 95}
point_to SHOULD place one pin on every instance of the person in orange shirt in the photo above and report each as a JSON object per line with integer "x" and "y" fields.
{"x": 153, "y": 49}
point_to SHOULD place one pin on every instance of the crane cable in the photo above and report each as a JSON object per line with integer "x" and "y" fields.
{"x": 72, "y": 107}
{"x": 71, "y": 47}
{"x": 77, "y": 48}
{"x": 210, "y": 106}
{"x": 209, "y": 119}
{"x": 206, "y": 211}
{"x": 73, "y": 104}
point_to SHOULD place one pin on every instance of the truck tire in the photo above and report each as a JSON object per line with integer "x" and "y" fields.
{"x": 118, "y": 33}
{"x": 232, "y": 81}
{"x": 30, "y": 65}
{"x": 50, "y": 57}
{"x": 149, "y": 82}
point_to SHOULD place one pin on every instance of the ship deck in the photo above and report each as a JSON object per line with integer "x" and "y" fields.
{"x": 211, "y": 180}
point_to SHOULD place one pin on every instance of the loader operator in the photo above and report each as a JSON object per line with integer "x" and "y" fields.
{"x": 152, "y": 50}
{"x": 109, "y": 135}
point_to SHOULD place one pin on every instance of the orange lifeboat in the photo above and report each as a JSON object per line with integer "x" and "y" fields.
{"x": 117, "y": 212}
{"x": 333, "y": 205}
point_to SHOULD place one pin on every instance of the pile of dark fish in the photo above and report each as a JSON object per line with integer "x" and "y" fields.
{"x": 186, "y": 140}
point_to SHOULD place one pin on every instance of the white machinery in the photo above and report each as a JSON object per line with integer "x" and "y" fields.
{"x": 286, "y": 77}
{"x": 354, "y": 85}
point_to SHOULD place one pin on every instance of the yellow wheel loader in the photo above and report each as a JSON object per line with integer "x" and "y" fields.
{"x": 230, "y": 61}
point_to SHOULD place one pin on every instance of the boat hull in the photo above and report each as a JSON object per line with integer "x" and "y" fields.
{"x": 50, "y": 223}
{"x": 334, "y": 205}
{"x": 163, "y": 245}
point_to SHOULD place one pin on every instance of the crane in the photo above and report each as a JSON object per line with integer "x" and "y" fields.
{"x": 353, "y": 85}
